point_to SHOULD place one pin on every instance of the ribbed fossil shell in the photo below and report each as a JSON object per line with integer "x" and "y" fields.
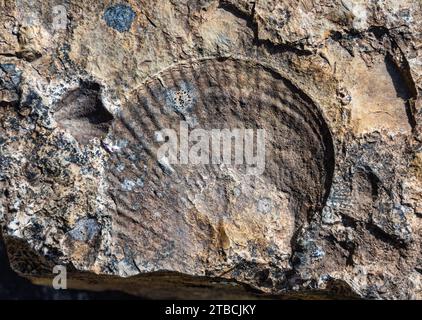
{"x": 215, "y": 214}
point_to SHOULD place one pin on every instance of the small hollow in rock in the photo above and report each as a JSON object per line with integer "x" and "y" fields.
{"x": 83, "y": 115}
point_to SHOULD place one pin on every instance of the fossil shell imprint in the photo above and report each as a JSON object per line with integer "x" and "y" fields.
{"x": 216, "y": 206}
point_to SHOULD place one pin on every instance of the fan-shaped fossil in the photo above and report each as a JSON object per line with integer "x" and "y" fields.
{"x": 214, "y": 207}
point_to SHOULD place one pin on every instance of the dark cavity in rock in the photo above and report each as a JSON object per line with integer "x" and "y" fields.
{"x": 83, "y": 115}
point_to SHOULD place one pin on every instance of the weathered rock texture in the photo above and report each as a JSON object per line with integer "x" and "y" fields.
{"x": 336, "y": 86}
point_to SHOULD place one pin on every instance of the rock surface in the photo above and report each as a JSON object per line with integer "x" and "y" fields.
{"x": 85, "y": 87}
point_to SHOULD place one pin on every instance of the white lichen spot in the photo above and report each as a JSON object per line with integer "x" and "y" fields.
{"x": 16, "y": 226}
{"x": 114, "y": 146}
{"x": 128, "y": 185}
{"x": 237, "y": 192}
{"x": 264, "y": 205}
{"x": 318, "y": 253}
{"x": 360, "y": 13}
{"x": 120, "y": 167}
